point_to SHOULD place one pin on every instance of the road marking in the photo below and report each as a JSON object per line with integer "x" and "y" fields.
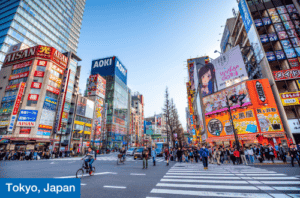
{"x": 294, "y": 195}
{"x": 207, "y": 193}
{"x": 202, "y": 177}
{"x": 278, "y": 174}
{"x": 82, "y": 184}
{"x": 254, "y": 182}
{"x": 102, "y": 173}
{"x": 280, "y": 195}
{"x": 122, "y": 187}
{"x": 71, "y": 162}
{"x": 204, "y": 181}
{"x": 137, "y": 174}
{"x": 281, "y": 182}
{"x": 208, "y": 186}
{"x": 196, "y": 174}
{"x": 265, "y": 172}
{"x": 276, "y": 178}
{"x": 52, "y": 163}
{"x": 286, "y": 188}
{"x": 265, "y": 188}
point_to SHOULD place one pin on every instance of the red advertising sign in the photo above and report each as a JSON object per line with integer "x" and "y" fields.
{"x": 25, "y": 131}
{"x": 45, "y": 126}
{"x": 21, "y": 65}
{"x": 57, "y": 68}
{"x": 23, "y": 123}
{"x": 36, "y": 85}
{"x": 34, "y": 97}
{"x": 18, "y": 99}
{"x": 59, "y": 58}
{"x": 39, "y": 73}
{"x": 20, "y": 75}
{"x": 20, "y": 55}
{"x": 44, "y": 51}
{"x": 42, "y": 63}
{"x": 290, "y": 95}
{"x": 52, "y": 89}
{"x": 15, "y": 86}
{"x": 287, "y": 74}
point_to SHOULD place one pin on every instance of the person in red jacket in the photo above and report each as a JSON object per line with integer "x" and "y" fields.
{"x": 236, "y": 153}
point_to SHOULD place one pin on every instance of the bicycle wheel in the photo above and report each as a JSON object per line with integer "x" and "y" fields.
{"x": 79, "y": 173}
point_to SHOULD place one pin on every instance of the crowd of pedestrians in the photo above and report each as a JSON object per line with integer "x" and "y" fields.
{"x": 231, "y": 155}
{"x": 32, "y": 155}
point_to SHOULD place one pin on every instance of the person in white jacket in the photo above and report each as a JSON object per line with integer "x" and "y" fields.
{"x": 251, "y": 155}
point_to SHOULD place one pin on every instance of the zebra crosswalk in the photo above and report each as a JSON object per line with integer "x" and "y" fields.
{"x": 186, "y": 180}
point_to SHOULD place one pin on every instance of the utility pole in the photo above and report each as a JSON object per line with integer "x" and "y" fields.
{"x": 234, "y": 131}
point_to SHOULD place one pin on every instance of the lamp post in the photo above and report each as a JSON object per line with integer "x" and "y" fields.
{"x": 81, "y": 137}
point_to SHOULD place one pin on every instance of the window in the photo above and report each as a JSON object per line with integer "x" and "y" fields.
{"x": 40, "y": 68}
{"x": 51, "y": 95}
{"x": 35, "y": 91}
{"x": 38, "y": 79}
{"x": 54, "y": 84}
{"x": 31, "y": 103}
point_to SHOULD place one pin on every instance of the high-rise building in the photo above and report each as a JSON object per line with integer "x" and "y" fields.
{"x": 49, "y": 23}
{"x": 36, "y": 91}
{"x": 115, "y": 74}
{"x": 138, "y": 103}
{"x": 268, "y": 34}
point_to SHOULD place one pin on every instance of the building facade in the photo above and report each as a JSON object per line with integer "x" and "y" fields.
{"x": 33, "y": 90}
{"x": 49, "y": 23}
{"x": 115, "y": 74}
{"x": 268, "y": 33}
{"x": 138, "y": 104}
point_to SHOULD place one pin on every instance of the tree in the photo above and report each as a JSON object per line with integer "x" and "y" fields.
{"x": 167, "y": 112}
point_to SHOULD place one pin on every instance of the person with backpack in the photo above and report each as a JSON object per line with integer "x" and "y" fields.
{"x": 282, "y": 153}
{"x": 204, "y": 153}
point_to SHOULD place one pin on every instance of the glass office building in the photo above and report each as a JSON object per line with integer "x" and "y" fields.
{"x": 37, "y": 22}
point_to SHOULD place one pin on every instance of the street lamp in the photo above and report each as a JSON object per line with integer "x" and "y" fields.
{"x": 81, "y": 137}
{"x": 216, "y": 51}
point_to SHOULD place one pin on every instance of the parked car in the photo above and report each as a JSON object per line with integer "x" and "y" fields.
{"x": 138, "y": 153}
{"x": 131, "y": 151}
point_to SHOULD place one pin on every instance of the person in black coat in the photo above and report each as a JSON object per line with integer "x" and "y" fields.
{"x": 294, "y": 153}
{"x": 262, "y": 151}
{"x": 179, "y": 154}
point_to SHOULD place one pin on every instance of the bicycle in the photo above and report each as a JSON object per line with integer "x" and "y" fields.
{"x": 120, "y": 159}
{"x": 80, "y": 172}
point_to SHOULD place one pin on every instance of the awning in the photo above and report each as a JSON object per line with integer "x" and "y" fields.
{"x": 87, "y": 132}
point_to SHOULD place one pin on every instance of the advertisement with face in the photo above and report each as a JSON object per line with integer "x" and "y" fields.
{"x": 229, "y": 69}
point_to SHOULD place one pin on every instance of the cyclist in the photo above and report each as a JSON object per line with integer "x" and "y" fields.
{"x": 90, "y": 159}
{"x": 123, "y": 152}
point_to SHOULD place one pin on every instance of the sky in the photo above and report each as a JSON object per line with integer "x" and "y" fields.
{"x": 153, "y": 39}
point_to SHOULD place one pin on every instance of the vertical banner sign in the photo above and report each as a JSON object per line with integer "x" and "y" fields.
{"x": 61, "y": 101}
{"x": 16, "y": 106}
{"x": 66, "y": 82}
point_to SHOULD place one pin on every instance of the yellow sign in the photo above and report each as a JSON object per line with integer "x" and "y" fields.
{"x": 82, "y": 123}
{"x": 290, "y": 98}
{"x": 3, "y": 123}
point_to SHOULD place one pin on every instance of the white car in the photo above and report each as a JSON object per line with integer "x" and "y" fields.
{"x": 131, "y": 151}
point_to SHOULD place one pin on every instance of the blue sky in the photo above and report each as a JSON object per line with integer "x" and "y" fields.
{"x": 153, "y": 39}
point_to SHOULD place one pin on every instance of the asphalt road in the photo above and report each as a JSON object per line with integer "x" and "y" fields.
{"x": 174, "y": 181}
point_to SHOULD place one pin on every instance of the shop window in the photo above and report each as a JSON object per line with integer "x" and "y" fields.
{"x": 282, "y": 86}
{"x": 290, "y": 112}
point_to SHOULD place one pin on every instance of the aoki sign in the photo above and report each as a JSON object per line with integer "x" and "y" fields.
{"x": 121, "y": 68}
{"x": 103, "y": 63}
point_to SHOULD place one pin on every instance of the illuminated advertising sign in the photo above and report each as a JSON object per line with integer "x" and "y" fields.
{"x": 42, "y": 63}
{"x": 16, "y": 106}
{"x": 55, "y": 79}
{"x": 286, "y": 74}
{"x": 45, "y": 126}
{"x": 290, "y": 98}
{"x": 34, "y": 97}
{"x": 96, "y": 86}
{"x": 59, "y": 58}
{"x": 20, "y": 55}
{"x": 57, "y": 68}
{"x": 21, "y": 65}
{"x": 39, "y": 73}
{"x": 36, "y": 85}
{"x": 47, "y": 118}
{"x": 53, "y": 89}
{"x": 27, "y": 118}
{"x": 8, "y": 98}
{"x": 44, "y": 52}
{"x": 50, "y": 104}
{"x": 20, "y": 75}
{"x": 15, "y": 86}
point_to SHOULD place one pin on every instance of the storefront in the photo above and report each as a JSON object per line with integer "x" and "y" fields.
{"x": 253, "y": 111}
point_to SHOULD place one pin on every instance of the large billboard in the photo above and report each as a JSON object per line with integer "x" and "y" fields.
{"x": 96, "y": 86}
{"x": 85, "y": 107}
{"x": 109, "y": 66}
{"x": 229, "y": 70}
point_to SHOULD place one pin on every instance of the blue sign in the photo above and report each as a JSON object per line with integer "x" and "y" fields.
{"x": 280, "y": 55}
{"x": 270, "y": 56}
{"x": 245, "y": 15}
{"x": 273, "y": 37}
{"x": 121, "y": 71}
{"x": 110, "y": 66}
{"x": 50, "y": 104}
{"x": 27, "y": 115}
{"x": 264, "y": 38}
{"x": 258, "y": 22}
{"x": 290, "y": 53}
{"x": 8, "y": 98}
{"x": 40, "y": 187}
{"x": 267, "y": 21}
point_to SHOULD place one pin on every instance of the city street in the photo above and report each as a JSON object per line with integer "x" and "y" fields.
{"x": 176, "y": 180}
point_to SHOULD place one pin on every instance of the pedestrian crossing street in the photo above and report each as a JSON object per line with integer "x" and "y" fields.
{"x": 187, "y": 180}
{"x": 110, "y": 158}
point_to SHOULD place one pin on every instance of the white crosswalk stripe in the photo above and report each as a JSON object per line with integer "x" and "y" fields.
{"x": 108, "y": 158}
{"x": 187, "y": 180}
